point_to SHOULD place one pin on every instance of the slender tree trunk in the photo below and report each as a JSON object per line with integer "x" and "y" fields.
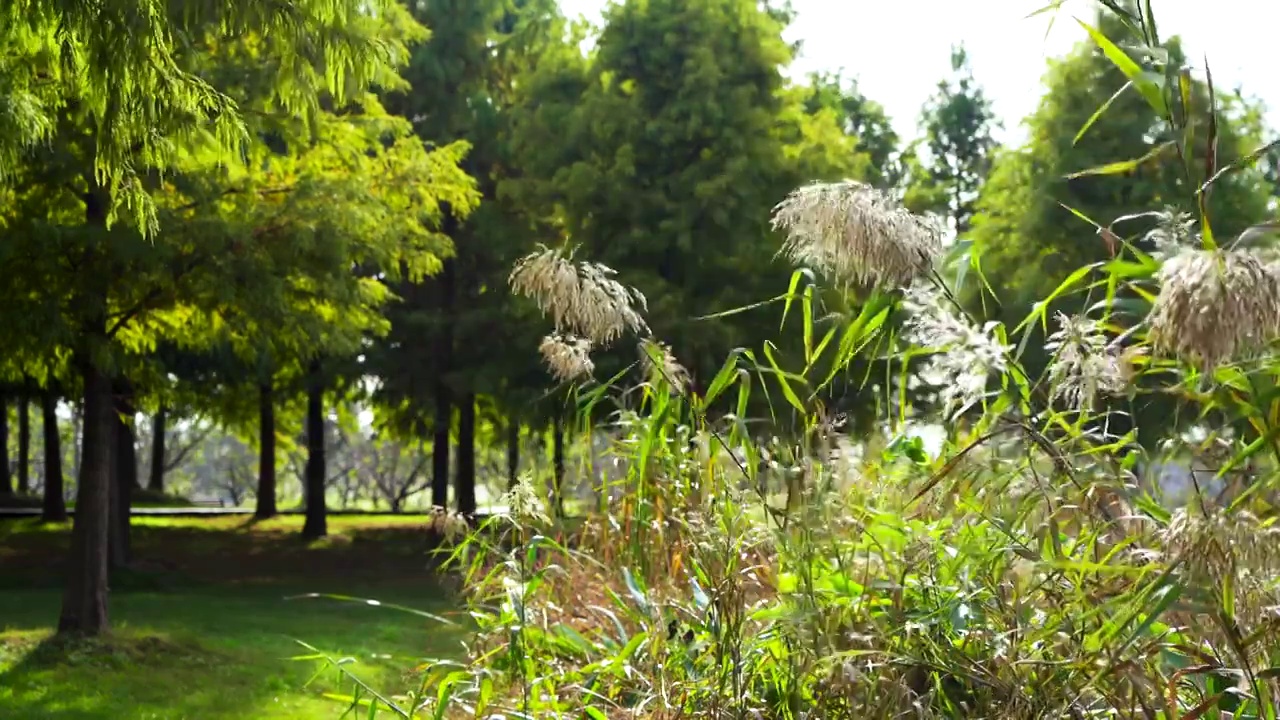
{"x": 55, "y": 506}
{"x": 84, "y": 602}
{"x": 159, "y": 431}
{"x": 77, "y": 436}
{"x": 440, "y": 447}
{"x": 316, "y": 525}
{"x": 513, "y": 452}
{"x": 465, "y": 487}
{"x": 126, "y": 474}
{"x": 24, "y": 444}
{"x": 266, "y": 452}
{"x": 444, "y": 398}
{"x": 557, "y": 459}
{"x": 6, "y": 471}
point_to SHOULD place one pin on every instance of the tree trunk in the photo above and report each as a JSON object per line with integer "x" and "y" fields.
{"x": 266, "y": 452}
{"x": 513, "y": 452}
{"x": 6, "y": 472}
{"x": 84, "y": 602}
{"x": 316, "y": 525}
{"x": 159, "y": 429}
{"x": 444, "y": 399}
{"x": 465, "y": 486}
{"x": 557, "y": 458}
{"x": 77, "y": 436}
{"x": 55, "y": 506}
{"x": 24, "y": 444}
{"x": 126, "y": 474}
{"x": 440, "y": 447}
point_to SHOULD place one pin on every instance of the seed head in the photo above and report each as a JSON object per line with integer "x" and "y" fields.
{"x": 658, "y": 362}
{"x": 965, "y": 355}
{"x": 1228, "y": 544}
{"x": 451, "y": 525}
{"x": 1174, "y": 233}
{"x": 857, "y": 234}
{"x": 568, "y": 357}
{"x": 1084, "y": 365}
{"x": 523, "y": 502}
{"x": 582, "y": 298}
{"x": 1215, "y": 305}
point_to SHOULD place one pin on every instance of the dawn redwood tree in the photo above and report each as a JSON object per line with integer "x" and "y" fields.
{"x": 111, "y": 285}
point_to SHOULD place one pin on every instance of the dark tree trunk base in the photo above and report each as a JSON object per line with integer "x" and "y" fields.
{"x": 84, "y": 602}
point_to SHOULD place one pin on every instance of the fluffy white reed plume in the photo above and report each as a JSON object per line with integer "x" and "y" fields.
{"x": 856, "y": 233}
{"x": 1173, "y": 233}
{"x": 568, "y": 357}
{"x": 1084, "y": 365}
{"x": 523, "y": 502}
{"x": 965, "y": 355}
{"x": 1234, "y": 545}
{"x": 582, "y": 298}
{"x": 658, "y": 362}
{"x": 1215, "y": 305}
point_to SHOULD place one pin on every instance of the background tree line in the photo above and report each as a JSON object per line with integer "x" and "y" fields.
{"x": 282, "y": 251}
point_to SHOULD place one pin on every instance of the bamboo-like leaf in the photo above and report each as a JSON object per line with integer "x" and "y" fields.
{"x": 1101, "y": 109}
{"x": 1210, "y": 163}
{"x": 782, "y": 375}
{"x": 1125, "y": 166}
{"x": 1148, "y": 88}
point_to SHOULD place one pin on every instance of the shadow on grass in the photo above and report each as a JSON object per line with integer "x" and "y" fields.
{"x": 231, "y": 550}
{"x": 216, "y": 653}
{"x": 125, "y": 676}
{"x": 203, "y": 629}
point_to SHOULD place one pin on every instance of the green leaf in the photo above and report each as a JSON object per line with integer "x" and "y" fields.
{"x": 1141, "y": 79}
{"x": 1101, "y": 109}
{"x": 1125, "y": 166}
{"x": 724, "y": 378}
{"x": 791, "y": 295}
{"x": 782, "y": 375}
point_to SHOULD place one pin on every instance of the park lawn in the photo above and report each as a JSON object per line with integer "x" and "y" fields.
{"x": 203, "y": 626}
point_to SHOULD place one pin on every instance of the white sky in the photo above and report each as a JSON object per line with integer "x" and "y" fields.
{"x": 899, "y": 49}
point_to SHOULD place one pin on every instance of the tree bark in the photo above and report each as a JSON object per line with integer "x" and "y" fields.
{"x": 84, "y": 602}
{"x": 557, "y": 457}
{"x": 55, "y": 506}
{"x": 24, "y": 444}
{"x": 159, "y": 430}
{"x": 465, "y": 485}
{"x": 266, "y": 507}
{"x": 513, "y": 452}
{"x": 316, "y": 525}
{"x": 125, "y": 467}
{"x": 6, "y": 471}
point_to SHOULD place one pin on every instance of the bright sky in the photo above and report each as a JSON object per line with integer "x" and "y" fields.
{"x": 899, "y": 49}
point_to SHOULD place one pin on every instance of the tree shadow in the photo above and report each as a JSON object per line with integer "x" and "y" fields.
{"x": 137, "y": 676}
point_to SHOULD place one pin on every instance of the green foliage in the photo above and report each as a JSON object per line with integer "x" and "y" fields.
{"x": 958, "y": 120}
{"x": 692, "y": 93}
{"x": 1033, "y": 227}
{"x": 131, "y": 74}
{"x": 861, "y": 118}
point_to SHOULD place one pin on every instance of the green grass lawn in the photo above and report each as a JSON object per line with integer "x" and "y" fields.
{"x": 203, "y": 627}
